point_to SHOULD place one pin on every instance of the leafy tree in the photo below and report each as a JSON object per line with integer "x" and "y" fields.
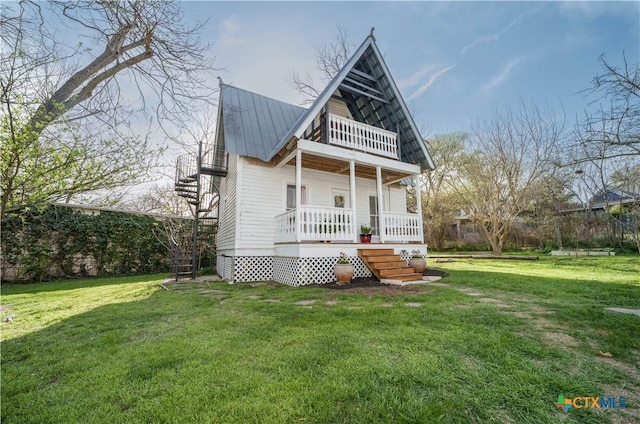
{"x": 70, "y": 103}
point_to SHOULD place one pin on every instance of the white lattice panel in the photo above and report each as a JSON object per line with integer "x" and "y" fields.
{"x": 291, "y": 271}
{"x": 285, "y": 270}
{"x": 253, "y": 268}
{"x": 304, "y": 271}
{"x": 405, "y": 255}
{"x": 316, "y": 271}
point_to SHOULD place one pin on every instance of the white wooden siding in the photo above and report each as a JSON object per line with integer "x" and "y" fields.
{"x": 339, "y": 107}
{"x": 262, "y": 195}
{"x": 225, "y": 238}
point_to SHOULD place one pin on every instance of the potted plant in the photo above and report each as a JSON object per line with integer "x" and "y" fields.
{"x": 343, "y": 270}
{"x": 417, "y": 261}
{"x": 365, "y": 233}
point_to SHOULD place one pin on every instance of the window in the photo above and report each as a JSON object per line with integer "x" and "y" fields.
{"x": 291, "y": 196}
{"x": 374, "y": 217}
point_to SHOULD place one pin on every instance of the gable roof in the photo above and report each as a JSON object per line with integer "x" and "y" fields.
{"x": 372, "y": 97}
{"x": 253, "y": 124}
{"x": 364, "y": 83}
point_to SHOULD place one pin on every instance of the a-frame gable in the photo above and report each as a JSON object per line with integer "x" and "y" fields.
{"x": 372, "y": 96}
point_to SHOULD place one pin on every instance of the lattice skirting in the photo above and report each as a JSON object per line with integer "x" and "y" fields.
{"x": 252, "y": 268}
{"x": 291, "y": 271}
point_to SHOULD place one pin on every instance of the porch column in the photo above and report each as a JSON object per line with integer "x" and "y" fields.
{"x": 298, "y": 196}
{"x": 381, "y": 227}
{"x": 419, "y": 207}
{"x": 352, "y": 189}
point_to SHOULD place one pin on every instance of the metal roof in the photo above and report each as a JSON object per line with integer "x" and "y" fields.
{"x": 253, "y": 124}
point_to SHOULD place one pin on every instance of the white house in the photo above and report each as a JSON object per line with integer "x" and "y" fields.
{"x": 299, "y": 182}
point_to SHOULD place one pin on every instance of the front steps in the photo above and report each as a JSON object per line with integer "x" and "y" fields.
{"x": 386, "y": 265}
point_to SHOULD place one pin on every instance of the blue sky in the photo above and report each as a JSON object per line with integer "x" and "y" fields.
{"x": 454, "y": 62}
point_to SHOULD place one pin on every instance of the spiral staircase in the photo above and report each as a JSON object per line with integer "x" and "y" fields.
{"x": 197, "y": 180}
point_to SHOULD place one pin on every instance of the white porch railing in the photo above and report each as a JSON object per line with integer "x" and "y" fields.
{"x": 286, "y": 227}
{"x": 316, "y": 223}
{"x": 402, "y": 227}
{"x": 356, "y": 135}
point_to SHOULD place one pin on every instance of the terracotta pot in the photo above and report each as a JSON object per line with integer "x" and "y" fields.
{"x": 344, "y": 273}
{"x": 418, "y": 264}
{"x": 365, "y": 238}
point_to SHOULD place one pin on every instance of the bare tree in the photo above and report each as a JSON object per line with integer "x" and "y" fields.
{"x": 440, "y": 206}
{"x": 510, "y": 154}
{"x": 613, "y": 130}
{"x": 69, "y": 113}
{"x": 330, "y": 58}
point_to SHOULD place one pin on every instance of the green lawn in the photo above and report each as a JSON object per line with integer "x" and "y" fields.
{"x": 498, "y": 343}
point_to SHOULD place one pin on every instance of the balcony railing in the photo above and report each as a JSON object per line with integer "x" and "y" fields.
{"x": 356, "y": 135}
{"x": 317, "y": 223}
{"x": 402, "y": 227}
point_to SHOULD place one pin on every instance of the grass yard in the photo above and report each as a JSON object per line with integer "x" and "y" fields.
{"x": 496, "y": 341}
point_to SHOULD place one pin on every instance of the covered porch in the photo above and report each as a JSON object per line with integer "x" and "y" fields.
{"x": 327, "y": 223}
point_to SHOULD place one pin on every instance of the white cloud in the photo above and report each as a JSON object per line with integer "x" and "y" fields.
{"x": 497, "y": 35}
{"x": 415, "y": 78}
{"x": 503, "y": 75}
{"x": 428, "y": 84}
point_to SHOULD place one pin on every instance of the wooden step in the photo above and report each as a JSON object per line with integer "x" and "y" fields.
{"x": 396, "y": 271}
{"x": 404, "y": 277}
{"x": 388, "y": 265}
{"x": 384, "y": 258}
{"x": 375, "y": 252}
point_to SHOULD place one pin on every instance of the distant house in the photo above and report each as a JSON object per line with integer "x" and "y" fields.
{"x": 599, "y": 204}
{"x": 297, "y": 183}
{"x": 622, "y": 204}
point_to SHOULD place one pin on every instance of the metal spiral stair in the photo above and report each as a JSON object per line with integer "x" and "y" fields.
{"x": 197, "y": 180}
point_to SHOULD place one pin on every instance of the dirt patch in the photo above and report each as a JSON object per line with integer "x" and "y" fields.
{"x": 413, "y": 304}
{"x": 440, "y": 284}
{"x": 631, "y": 414}
{"x": 629, "y": 370}
{"x": 4, "y": 308}
{"x": 305, "y": 302}
{"x": 560, "y": 339}
{"x": 371, "y": 286}
{"x": 494, "y": 302}
{"x": 540, "y": 310}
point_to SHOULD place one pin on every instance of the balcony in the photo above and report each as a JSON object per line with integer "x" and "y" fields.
{"x": 355, "y": 135}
